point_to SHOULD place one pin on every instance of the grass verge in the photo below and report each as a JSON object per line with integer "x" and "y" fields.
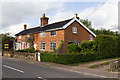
{"x": 76, "y": 64}
{"x": 98, "y": 65}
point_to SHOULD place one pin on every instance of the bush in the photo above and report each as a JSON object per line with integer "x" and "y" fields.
{"x": 73, "y": 48}
{"x": 88, "y": 46}
{"x": 68, "y": 58}
{"x": 28, "y": 50}
{"x": 107, "y": 46}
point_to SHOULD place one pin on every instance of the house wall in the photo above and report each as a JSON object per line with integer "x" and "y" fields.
{"x": 65, "y": 35}
{"x": 82, "y": 34}
{"x": 22, "y": 40}
{"x": 47, "y": 39}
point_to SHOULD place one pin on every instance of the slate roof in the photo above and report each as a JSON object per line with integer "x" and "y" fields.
{"x": 44, "y": 28}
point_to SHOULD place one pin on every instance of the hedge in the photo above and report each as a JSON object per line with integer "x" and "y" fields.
{"x": 107, "y": 46}
{"x": 67, "y": 58}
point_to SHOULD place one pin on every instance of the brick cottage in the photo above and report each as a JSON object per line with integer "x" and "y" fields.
{"x": 47, "y": 37}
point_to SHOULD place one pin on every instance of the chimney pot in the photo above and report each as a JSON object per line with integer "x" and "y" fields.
{"x": 76, "y": 14}
{"x": 25, "y": 26}
{"x": 44, "y": 15}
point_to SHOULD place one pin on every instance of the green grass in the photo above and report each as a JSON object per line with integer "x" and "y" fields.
{"x": 98, "y": 65}
{"x": 76, "y": 64}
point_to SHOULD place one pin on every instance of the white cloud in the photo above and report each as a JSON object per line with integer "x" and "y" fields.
{"x": 62, "y": 16}
{"x": 105, "y": 17}
{"x": 16, "y": 13}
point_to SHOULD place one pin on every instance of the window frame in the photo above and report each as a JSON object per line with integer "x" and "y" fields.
{"x": 52, "y": 34}
{"x": 51, "y": 49}
{"x": 20, "y": 37}
{"x": 74, "y": 29}
{"x": 90, "y": 38}
{"x": 41, "y": 34}
{"x": 41, "y": 46}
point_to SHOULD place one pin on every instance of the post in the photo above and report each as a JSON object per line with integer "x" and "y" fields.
{"x": 39, "y": 56}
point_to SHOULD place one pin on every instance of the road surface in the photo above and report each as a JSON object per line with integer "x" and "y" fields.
{"x": 20, "y": 69}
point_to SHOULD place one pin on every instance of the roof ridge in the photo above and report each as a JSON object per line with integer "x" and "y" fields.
{"x": 59, "y": 21}
{"x": 48, "y": 24}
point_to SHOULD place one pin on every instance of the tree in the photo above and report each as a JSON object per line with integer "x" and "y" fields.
{"x": 6, "y": 37}
{"x": 87, "y": 23}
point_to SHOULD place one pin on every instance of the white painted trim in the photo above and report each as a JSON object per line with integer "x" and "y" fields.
{"x": 75, "y": 19}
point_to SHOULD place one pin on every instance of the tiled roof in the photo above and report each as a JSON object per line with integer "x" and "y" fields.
{"x": 44, "y": 28}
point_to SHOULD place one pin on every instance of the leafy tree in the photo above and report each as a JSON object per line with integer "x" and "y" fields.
{"x": 88, "y": 24}
{"x": 5, "y": 38}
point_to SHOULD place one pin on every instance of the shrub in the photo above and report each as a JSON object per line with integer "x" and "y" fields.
{"x": 73, "y": 48}
{"x": 31, "y": 50}
{"x": 88, "y": 46}
{"x": 28, "y": 50}
{"x": 68, "y": 58}
{"x": 107, "y": 46}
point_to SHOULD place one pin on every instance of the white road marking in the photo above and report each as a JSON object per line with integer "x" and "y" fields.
{"x": 13, "y": 68}
{"x": 42, "y": 78}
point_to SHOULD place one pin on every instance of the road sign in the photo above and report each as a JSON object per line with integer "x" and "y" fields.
{"x": 6, "y": 46}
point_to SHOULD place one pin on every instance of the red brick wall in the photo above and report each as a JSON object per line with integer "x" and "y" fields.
{"x": 22, "y": 39}
{"x": 47, "y": 39}
{"x": 81, "y": 35}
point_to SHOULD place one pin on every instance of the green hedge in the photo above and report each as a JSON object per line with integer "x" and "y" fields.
{"x": 107, "y": 46}
{"x": 67, "y": 58}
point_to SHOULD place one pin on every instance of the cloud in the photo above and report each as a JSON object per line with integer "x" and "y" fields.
{"x": 105, "y": 17}
{"x": 17, "y": 12}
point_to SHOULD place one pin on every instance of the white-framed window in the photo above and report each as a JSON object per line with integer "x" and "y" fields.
{"x": 28, "y": 45}
{"x": 42, "y": 34}
{"x": 53, "y": 33}
{"x": 52, "y": 45}
{"x": 90, "y": 37}
{"x": 28, "y": 35}
{"x": 74, "y": 29}
{"x": 20, "y": 37}
{"x": 42, "y": 46}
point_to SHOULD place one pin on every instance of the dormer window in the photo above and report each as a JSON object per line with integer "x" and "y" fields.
{"x": 74, "y": 29}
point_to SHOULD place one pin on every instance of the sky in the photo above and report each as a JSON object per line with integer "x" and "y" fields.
{"x": 15, "y": 13}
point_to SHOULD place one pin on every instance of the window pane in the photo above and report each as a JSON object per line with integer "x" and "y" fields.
{"x": 52, "y": 33}
{"x": 42, "y": 34}
{"x": 74, "y": 29}
{"x": 42, "y": 45}
{"x": 52, "y": 46}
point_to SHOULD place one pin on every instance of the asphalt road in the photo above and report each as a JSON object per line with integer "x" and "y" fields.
{"x": 20, "y": 69}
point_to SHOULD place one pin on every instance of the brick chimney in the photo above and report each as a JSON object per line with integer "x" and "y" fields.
{"x": 76, "y": 15}
{"x": 44, "y": 20}
{"x": 25, "y": 26}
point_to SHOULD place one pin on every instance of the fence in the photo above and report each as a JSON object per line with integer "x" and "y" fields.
{"x": 32, "y": 56}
